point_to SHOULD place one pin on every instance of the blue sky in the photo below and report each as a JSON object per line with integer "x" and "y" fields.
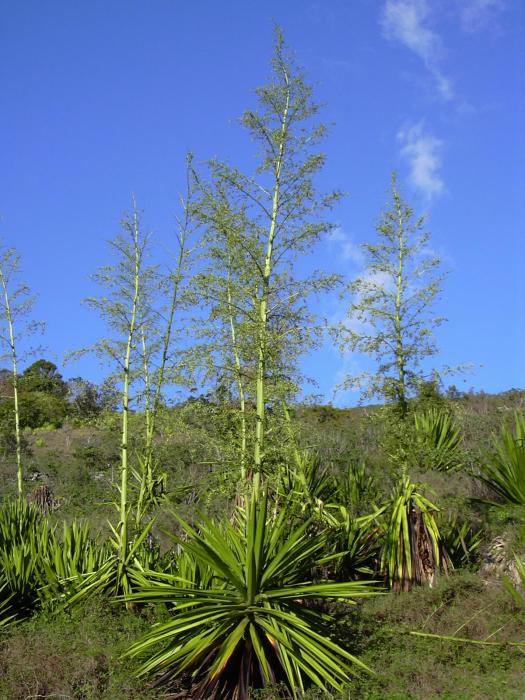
{"x": 103, "y": 99}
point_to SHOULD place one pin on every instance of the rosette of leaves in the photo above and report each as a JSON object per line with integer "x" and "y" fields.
{"x": 24, "y": 542}
{"x": 113, "y": 575}
{"x": 439, "y": 440}
{"x": 352, "y": 517}
{"x": 41, "y": 566}
{"x": 504, "y": 470}
{"x": 70, "y": 559}
{"x": 244, "y": 614}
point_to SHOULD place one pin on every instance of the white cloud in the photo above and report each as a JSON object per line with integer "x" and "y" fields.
{"x": 413, "y": 24}
{"x": 422, "y": 151}
{"x": 404, "y": 20}
{"x": 376, "y": 279}
{"x": 408, "y": 21}
{"x": 477, "y": 15}
{"x": 349, "y": 367}
{"x": 348, "y": 250}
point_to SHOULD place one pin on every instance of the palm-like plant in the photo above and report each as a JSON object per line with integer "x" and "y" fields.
{"x": 242, "y": 619}
{"x": 412, "y": 550}
{"x": 504, "y": 472}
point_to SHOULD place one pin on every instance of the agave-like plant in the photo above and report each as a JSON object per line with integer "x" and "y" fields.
{"x": 412, "y": 551}
{"x": 354, "y": 541}
{"x": 69, "y": 560}
{"x": 113, "y": 573}
{"x": 460, "y": 540}
{"x": 150, "y": 487}
{"x": 439, "y": 435}
{"x": 504, "y": 471}
{"x": 306, "y": 483}
{"x": 18, "y": 519}
{"x": 243, "y": 613}
{"x": 356, "y": 488}
{"x": 352, "y": 519}
{"x": 24, "y": 542}
{"x": 38, "y": 565}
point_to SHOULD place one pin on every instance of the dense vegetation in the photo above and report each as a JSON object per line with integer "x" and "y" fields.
{"x": 236, "y": 542}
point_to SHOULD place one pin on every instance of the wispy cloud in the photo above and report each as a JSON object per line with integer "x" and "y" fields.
{"x": 413, "y": 23}
{"x": 422, "y": 151}
{"x": 348, "y": 250}
{"x": 477, "y": 15}
{"x": 408, "y": 21}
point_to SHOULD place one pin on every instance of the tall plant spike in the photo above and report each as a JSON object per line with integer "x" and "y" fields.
{"x": 14, "y": 363}
{"x": 392, "y": 303}
{"x": 176, "y": 278}
{"x": 263, "y": 223}
{"x": 15, "y": 309}
{"x": 137, "y": 260}
{"x": 126, "y": 284}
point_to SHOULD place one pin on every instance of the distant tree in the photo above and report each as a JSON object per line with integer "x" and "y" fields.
{"x": 16, "y": 324}
{"x": 41, "y": 395}
{"x": 390, "y": 316}
{"x": 87, "y": 400}
{"x": 43, "y": 376}
{"x": 38, "y": 409}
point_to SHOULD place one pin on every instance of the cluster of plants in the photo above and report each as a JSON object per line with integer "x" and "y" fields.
{"x": 246, "y": 599}
{"x": 240, "y": 584}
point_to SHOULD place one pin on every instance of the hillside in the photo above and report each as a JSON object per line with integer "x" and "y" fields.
{"x": 77, "y": 654}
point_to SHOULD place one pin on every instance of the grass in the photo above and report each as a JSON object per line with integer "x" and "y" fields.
{"x": 74, "y": 656}
{"x": 415, "y": 668}
{"x": 78, "y": 656}
{"x": 419, "y": 668}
